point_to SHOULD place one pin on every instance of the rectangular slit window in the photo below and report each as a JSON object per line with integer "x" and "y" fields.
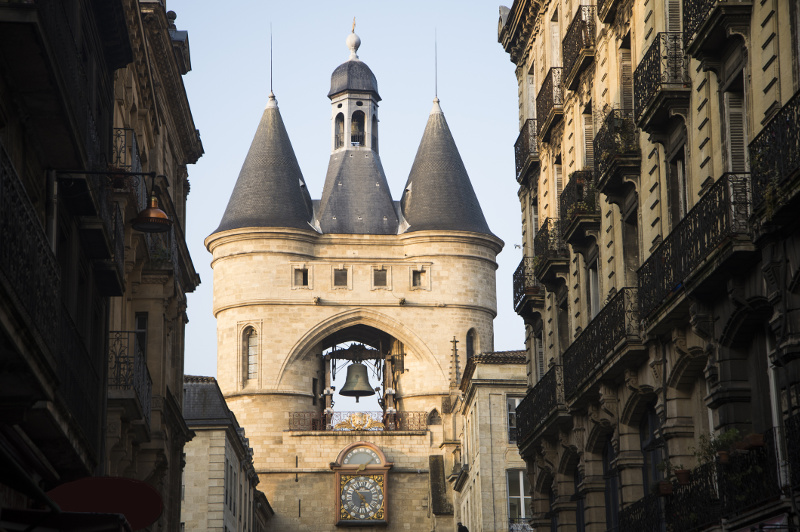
{"x": 340, "y": 277}
{"x": 301, "y": 277}
{"x": 417, "y": 278}
{"x": 379, "y": 277}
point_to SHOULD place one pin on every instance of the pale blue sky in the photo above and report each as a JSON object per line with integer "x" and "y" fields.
{"x": 229, "y": 84}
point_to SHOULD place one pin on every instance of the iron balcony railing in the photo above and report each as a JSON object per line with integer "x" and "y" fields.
{"x": 526, "y": 148}
{"x": 578, "y": 197}
{"x": 695, "y": 12}
{"x": 663, "y": 67}
{"x": 525, "y": 282}
{"x": 618, "y": 321}
{"x": 357, "y": 139}
{"x": 127, "y": 369}
{"x": 548, "y": 243}
{"x": 645, "y": 514}
{"x": 792, "y": 439}
{"x": 519, "y": 524}
{"x": 349, "y": 421}
{"x": 720, "y": 215}
{"x": 27, "y": 263}
{"x": 163, "y": 249}
{"x": 125, "y": 150}
{"x": 550, "y": 98}
{"x": 539, "y": 403}
{"x": 579, "y": 37}
{"x": 749, "y": 478}
{"x": 775, "y": 154}
{"x": 618, "y": 137}
{"x": 696, "y": 505}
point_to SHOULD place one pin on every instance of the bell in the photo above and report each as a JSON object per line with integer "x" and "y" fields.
{"x": 357, "y": 383}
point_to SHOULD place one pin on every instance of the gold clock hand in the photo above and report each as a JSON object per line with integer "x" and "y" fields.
{"x": 362, "y": 497}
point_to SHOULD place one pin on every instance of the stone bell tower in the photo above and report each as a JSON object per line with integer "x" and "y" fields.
{"x": 303, "y": 288}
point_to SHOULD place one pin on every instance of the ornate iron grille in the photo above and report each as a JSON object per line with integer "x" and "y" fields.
{"x": 695, "y": 12}
{"x": 357, "y": 139}
{"x": 750, "y": 478}
{"x": 617, "y": 137}
{"x": 644, "y": 514}
{"x": 537, "y": 405}
{"x": 550, "y": 97}
{"x": 663, "y": 67}
{"x": 579, "y": 37}
{"x": 127, "y": 369}
{"x": 125, "y": 156}
{"x": 519, "y": 524}
{"x": 348, "y": 421}
{"x": 601, "y": 4}
{"x": 696, "y": 505}
{"x": 526, "y": 148}
{"x": 525, "y": 281}
{"x": 27, "y": 262}
{"x": 548, "y": 243}
{"x": 578, "y": 197}
{"x": 792, "y": 425}
{"x": 775, "y": 153}
{"x": 722, "y": 213}
{"x": 618, "y": 321}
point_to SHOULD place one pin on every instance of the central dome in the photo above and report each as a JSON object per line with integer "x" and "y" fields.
{"x": 354, "y": 75}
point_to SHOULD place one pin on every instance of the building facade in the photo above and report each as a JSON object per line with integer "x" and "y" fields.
{"x": 400, "y": 293}
{"x": 91, "y": 310}
{"x": 658, "y": 172}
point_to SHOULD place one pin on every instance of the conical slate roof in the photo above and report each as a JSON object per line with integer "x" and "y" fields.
{"x": 438, "y": 194}
{"x": 270, "y": 190}
{"x": 356, "y": 197}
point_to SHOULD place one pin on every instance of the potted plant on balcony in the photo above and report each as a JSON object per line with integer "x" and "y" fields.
{"x": 710, "y": 447}
{"x": 681, "y": 474}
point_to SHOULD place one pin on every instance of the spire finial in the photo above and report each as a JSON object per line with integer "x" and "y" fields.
{"x": 353, "y": 41}
{"x": 435, "y": 65}
{"x": 270, "y": 59}
{"x": 354, "y": 25}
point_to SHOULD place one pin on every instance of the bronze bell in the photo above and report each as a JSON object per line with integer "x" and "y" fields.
{"x": 357, "y": 383}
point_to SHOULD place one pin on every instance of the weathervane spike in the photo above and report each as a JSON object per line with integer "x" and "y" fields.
{"x": 270, "y": 57}
{"x": 354, "y": 24}
{"x": 435, "y": 64}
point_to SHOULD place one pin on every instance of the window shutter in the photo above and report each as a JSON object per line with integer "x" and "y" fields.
{"x": 673, "y": 15}
{"x": 588, "y": 142}
{"x": 559, "y": 188}
{"x": 626, "y": 98}
{"x": 539, "y": 346}
{"x": 735, "y": 134}
{"x": 555, "y": 45}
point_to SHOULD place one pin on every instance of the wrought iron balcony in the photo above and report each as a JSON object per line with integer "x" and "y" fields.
{"x": 792, "y": 437}
{"x": 618, "y": 157}
{"x": 539, "y": 406}
{"x": 580, "y": 208}
{"x": 526, "y": 150}
{"x": 578, "y": 45}
{"x": 519, "y": 524}
{"x": 125, "y": 150}
{"x": 110, "y": 273}
{"x": 775, "y": 160}
{"x": 607, "y": 10}
{"x": 696, "y": 505}
{"x": 707, "y": 24}
{"x": 357, "y": 421}
{"x": 550, "y": 103}
{"x": 163, "y": 253}
{"x": 661, "y": 81}
{"x": 645, "y": 514}
{"x": 750, "y": 478}
{"x": 127, "y": 372}
{"x": 528, "y": 291}
{"x": 357, "y": 139}
{"x": 550, "y": 252}
{"x": 708, "y": 232}
{"x": 609, "y": 342}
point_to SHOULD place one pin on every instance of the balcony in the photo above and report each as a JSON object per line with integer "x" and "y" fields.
{"x": 519, "y": 524}
{"x": 750, "y": 478}
{"x": 358, "y": 421}
{"x": 578, "y": 45}
{"x": 526, "y": 151}
{"x": 163, "y": 254}
{"x": 129, "y": 382}
{"x": 697, "y": 505}
{"x": 540, "y": 407}
{"x": 775, "y": 163}
{"x": 528, "y": 291}
{"x": 645, "y": 514}
{"x": 607, "y": 10}
{"x": 661, "y": 81}
{"x": 610, "y": 343}
{"x": 618, "y": 157}
{"x": 550, "y": 103}
{"x": 550, "y": 253}
{"x": 792, "y": 437}
{"x": 708, "y": 23}
{"x": 713, "y": 233}
{"x": 580, "y": 210}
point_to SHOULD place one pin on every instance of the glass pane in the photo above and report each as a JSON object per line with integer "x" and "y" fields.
{"x": 514, "y": 510}
{"x": 513, "y": 483}
{"x": 380, "y": 277}
{"x": 339, "y": 277}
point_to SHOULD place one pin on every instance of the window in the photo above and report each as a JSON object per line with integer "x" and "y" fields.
{"x": 611, "y": 481}
{"x": 472, "y": 338}
{"x": 559, "y": 182}
{"x": 250, "y": 345}
{"x": 677, "y": 190}
{"x": 673, "y": 15}
{"x": 593, "y": 288}
{"x": 357, "y": 129}
{"x": 379, "y": 278}
{"x": 538, "y": 349}
{"x": 375, "y": 134}
{"x": 140, "y": 327}
{"x": 301, "y": 277}
{"x": 418, "y": 278}
{"x": 338, "y": 139}
{"x": 652, "y": 448}
{"x": 588, "y": 142}
{"x": 511, "y": 407}
{"x": 314, "y": 386}
{"x": 519, "y": 498}
{"x": 340, "y": 277}
{"x": 580, "y": 507}
{"x": 626, "y": 74}
{"x": 735, "y": 131}
{"x": 553, "y": 513}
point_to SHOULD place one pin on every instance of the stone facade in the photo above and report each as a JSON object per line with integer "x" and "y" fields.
{"x": 656, "y": 215}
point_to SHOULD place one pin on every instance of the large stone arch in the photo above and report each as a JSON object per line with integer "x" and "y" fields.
{"x": 360, "y": 316}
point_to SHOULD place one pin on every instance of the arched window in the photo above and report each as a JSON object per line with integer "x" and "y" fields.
{"x": 338, "y": 139}
{"x": 472, "y": 339}
{"x": 375, "y": 134}
{"x": 652, "y": 448}
{"x": 357, "y": 129}
{"x": 434, "y": 418}
{"x": 250, "y": 345}
{"x": 611, "y": 481}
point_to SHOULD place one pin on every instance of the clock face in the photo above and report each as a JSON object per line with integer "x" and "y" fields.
{"x": 362, "y": 497}
{"x": 361, "y": 455}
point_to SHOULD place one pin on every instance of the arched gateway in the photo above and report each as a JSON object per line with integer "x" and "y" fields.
{"x": 304, "y": 288}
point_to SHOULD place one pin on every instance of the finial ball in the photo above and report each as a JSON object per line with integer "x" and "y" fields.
{"x": 353, "y": 41}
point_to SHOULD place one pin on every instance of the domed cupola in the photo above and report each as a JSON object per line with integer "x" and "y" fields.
{"x": 353, "y": 75}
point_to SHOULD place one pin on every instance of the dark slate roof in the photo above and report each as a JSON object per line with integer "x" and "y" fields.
{"x": 270, "y": 190}
{"x": 356, "y": 197}
{"x": 353, "y": 75}
{"x": 204, "y": 404}
{"x": 438, "y": 194}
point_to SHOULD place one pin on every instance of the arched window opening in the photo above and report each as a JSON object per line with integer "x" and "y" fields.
{"x": 375, "y": 134}
{"x": 611, "y": 481}
{"x": 652, "y": 448}
{"x": 434, "y": 418}
{"x": 357, "y": 129}
{"x": 338, "y": 139}
{"x": 472, "y": 338}
{"x": 250, "y": 354}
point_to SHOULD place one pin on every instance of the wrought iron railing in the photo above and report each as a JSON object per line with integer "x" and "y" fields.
{"x": 775, "y": 154}
{"x": 357, "y": 139}
{"x": 696, "y": 505}
{"x": 519, "y": 524}
{"x": 548, "y": 243}
{"x": 125, "y": 150}
{"x": 617, "y": 137}
{"x": 525, "y": 281}
{"x": 792, "y": 438}
{"x": 601, "y": 4}
{"x": 721, "y": 214}
{"x": 26, "y": 260}
{"x": 749, "y": 478}
{"x": 695, "y": 12}
{"x": 644, "y": 514}
{"x": 127, "y": 368}
{"x": 348, "y": 421}
{"x": 663, "y": 67}
{"x": 537, "y": 405}
{"x": 578, "y": 197}
{"x": 618, "y": 321}
{"x": 579, "y": 37}
{"x": 526, "y": 148}
{"x": 550, "y": 97}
